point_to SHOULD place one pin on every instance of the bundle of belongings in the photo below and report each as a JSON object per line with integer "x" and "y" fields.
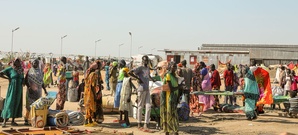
{"x": 65, "y": 118}
{"x": 39, "y": 111}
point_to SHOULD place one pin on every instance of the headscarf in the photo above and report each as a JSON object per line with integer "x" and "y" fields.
{"x": 126, "y": 70}
{"x": 19, "y": 69}
{"x": 93, "y": 66}
{"x": 35, "y": 75}
{"x": 115, "y": 63}
{"x": 179, "y": 64}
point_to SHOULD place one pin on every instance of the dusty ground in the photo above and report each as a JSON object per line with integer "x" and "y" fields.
{"x": 210, "y": 122}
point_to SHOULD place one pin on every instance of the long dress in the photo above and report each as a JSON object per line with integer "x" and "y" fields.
{"x": 251, "y": 93}
{"x": 35, "y": 82}
{"x": 98, "y": 115}
{"x": 89, "y": 93}
{"x": 47, "y": 76}
{"x": 168, "y": 106}
{"x": 113, "y": 80}
{"x": 61, "y": 95}
{"x": 206, "y": 86}
{"x": 14, "y": 98}
{"x": 125, "y": 94}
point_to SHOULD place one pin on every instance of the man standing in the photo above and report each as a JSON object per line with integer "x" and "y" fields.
{"x": 86, "y": 65}
{"x": 215, "y": 83}
{"x": 187, "y": 74}
{"x": 142, "y": 74}
{"x": 228, "y": 79}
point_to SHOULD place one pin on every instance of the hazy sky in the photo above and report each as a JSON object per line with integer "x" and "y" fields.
{"x": 160, "y": 24}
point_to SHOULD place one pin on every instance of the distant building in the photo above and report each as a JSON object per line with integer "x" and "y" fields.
{"x": 236, "y": 54}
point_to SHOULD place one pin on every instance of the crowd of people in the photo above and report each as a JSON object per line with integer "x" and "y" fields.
{"x": 37, "y": 76}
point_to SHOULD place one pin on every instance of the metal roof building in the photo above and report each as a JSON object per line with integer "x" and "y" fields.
{"x": 267, "y": 54}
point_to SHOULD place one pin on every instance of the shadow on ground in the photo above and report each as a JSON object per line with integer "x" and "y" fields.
{"x": 199, "y": 130}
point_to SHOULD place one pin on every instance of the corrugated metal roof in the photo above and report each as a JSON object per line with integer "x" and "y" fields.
{"x": 251, "y": 45}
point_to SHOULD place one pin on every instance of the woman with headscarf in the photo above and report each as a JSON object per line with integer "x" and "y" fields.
{"x": 169, "y": 100}
{"x": 251, "y": 94}
{"x": 194, "y": 101}
{"x": 47, "y": 75}
{"x": 34, "y": 83}
{"x": 206, "y": 86}
{"x": 197, "y": 81}
{"x": 98, "y": 115}
{"x": 90, "y": 92}
{"x": 61, "y": 83}
{"x": 14, "y": 97}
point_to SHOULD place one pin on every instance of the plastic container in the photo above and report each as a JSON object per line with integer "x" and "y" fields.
{"x": 38, "y": 117}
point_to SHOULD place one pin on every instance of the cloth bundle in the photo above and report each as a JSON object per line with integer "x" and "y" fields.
{"x": 293, "y": 105}
{"x": 61, "y": 119}
{"x": 57, "y": 118}
{"x": 75, "y": 118}
{"x": 277, "y": 91}
{"x": 72, "y": 94}
{"x": 43, "y": 102}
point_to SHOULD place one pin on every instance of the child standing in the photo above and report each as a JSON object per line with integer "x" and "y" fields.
{"x": 125, "y": 98}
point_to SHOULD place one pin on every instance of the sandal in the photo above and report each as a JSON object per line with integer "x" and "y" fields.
{"x": 14, "y": 124}
{"x": 119, "y": 121}
{"x": 125, "y": 125}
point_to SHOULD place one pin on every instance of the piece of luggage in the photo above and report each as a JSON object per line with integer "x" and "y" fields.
{"x": 72, "y": 95}
{"x": 183, "y": 111}
{"x": 2, "y": 100}
{"x": 38, "y": 116}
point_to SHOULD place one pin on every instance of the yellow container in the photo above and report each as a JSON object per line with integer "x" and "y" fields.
{"x": 38, "y": 117}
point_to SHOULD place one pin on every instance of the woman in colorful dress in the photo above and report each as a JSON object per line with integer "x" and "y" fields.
{"x": 75, "y": 75}
{"x": 13, "y": 104}
{"x": 206, "y": 86}
{"x": 168, "y": 102}
{"x": 35, "y": 84}
{"x": 251, "y": 94}
{"x": 98, "y": 115}
{"x": 61, "y": 83}
{"x": 194, "y": 101}
{"x": 47, "y": 75}
{"x": 90, "y": 92}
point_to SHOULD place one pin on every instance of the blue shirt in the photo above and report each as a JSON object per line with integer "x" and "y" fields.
{"x": 144, "y": 74}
